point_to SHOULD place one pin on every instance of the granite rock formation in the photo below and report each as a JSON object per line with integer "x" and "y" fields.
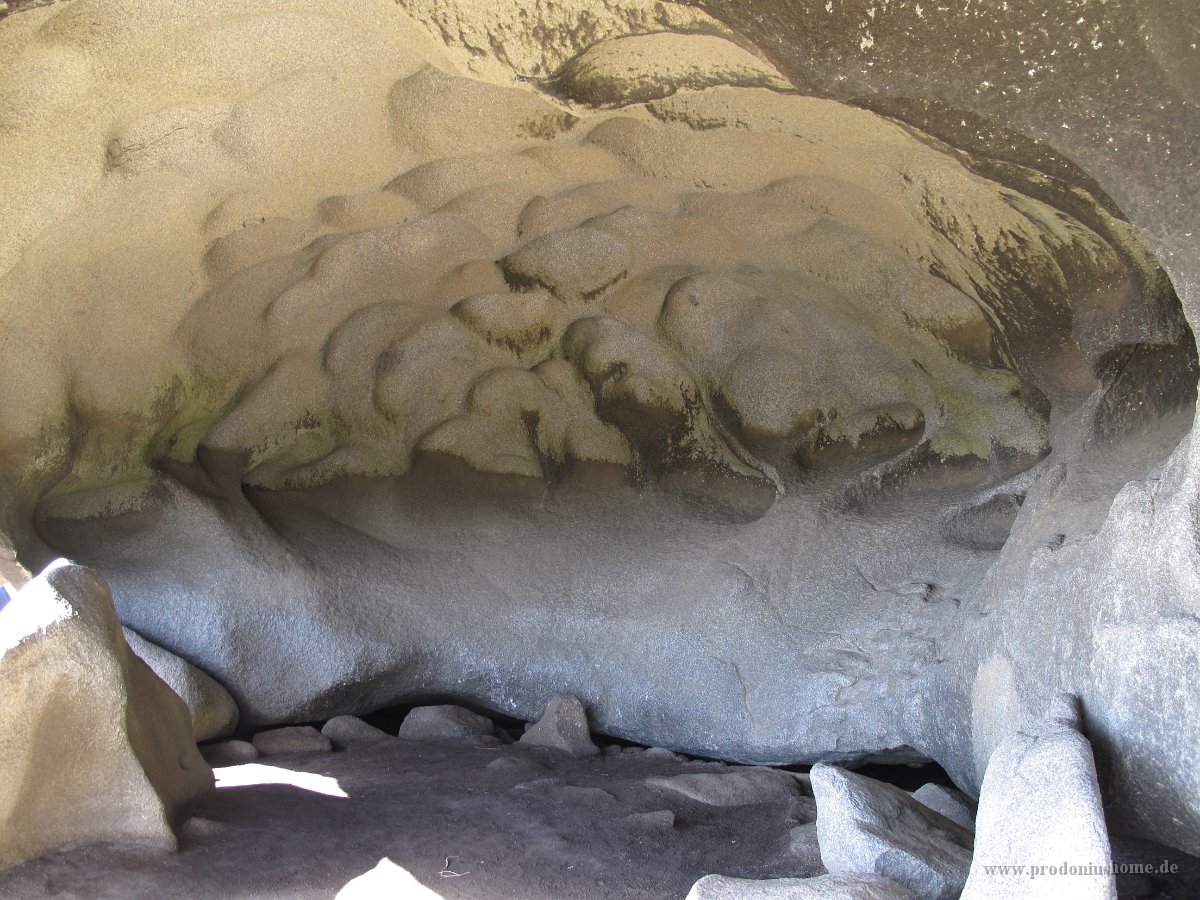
{"x": 409, "y": 350}
{"x": 93, "y": 745}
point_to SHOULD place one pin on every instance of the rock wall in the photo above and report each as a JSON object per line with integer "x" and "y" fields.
{"x": 381, "y": 352}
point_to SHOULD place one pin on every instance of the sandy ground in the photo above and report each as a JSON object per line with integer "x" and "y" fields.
{"x": 512, "y": 822}
{"x": 472, "y": 822}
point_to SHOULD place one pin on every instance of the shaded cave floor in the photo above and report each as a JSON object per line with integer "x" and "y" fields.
{"x": 467, "y": 822}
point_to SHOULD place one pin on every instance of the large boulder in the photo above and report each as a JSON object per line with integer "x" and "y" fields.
{"x": 214, "y": 712}
{"x": 93, "y": 745}
{"x": 866, "y": 827}
{"x": 1040, "y": 830}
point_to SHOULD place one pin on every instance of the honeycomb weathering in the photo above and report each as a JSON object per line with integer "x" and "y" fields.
{"x": 381, "y": 352}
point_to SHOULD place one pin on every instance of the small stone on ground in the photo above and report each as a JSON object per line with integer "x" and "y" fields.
{"x": 348, "y": 732}
{"x": 293, "y": 739}
{"x": 229, "y": 753}
{"x": 445, "y": 723}
{"x": 564, "y": 726}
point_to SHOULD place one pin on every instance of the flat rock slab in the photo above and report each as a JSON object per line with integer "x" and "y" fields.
{"x": 866, "y": 827}
{"x": 738, "y": 787}
{"x": 823, "y": 887}
{"x": 445, "y": 723}
{"x": 293, "y": 739}
{"x": 954, "y": 805}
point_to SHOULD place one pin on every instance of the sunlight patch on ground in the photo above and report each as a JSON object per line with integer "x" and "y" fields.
{"x": 257, "y": 773}
{"x": 386, "y": 880}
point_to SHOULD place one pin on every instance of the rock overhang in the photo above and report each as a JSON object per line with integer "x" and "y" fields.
{"x": 723, "y": 397}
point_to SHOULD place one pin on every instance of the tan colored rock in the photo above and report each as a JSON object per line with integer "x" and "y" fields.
{"x": 644, "y": 67}
{"x": 93, "y": 745}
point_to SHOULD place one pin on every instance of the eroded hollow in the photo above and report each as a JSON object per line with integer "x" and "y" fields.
{"x": 369, "y": 366}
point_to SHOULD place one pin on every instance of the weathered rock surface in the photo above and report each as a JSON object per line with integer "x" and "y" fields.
{"x": 795, "y": 348}
{"x": 952, "y": 804}
{"x": 563, "y": 726}
{"x": 93, "y": 745}
{"x": 214, "y": 713}
{"x": 742, "y": 786}
{"x": 833, "y": 887}
{"x": 645, "y": 67}
{"x": 229, "y": 753}
{"x": 866, "y": 827}
{"x": 292, "y": 739}
{"x": 445, "y": 723}
{"x": 348, "y": 732}
{"x": 1040, "y": 809}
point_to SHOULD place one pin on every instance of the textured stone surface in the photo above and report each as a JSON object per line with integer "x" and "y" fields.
{"x": 1040, "y": 808}
{"x": 866, "y": 827}
{"x": 214, "y": 714}
{"x": 348, "y": 732}
{"x": 952, "y": 804}
{"x": 797, "y": 352}
{"x": 834, "y": 887}
{"x": 563, "y": 726}
{"x": 294, "y": 739}
{"x": 93, "y": 746}
{"x": 737, "y": 787}
{"x": 445, "y": 723}
{"x": 229, "y": 753}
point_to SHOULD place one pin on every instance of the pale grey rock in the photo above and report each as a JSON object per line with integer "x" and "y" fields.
{"x": 564, "y": 726}
{"x": 866, "y": 827}
{"x": 954, "y": 805}
{"x": 229, "y": 753}
{"x": 445, "y": 723}
{"x": 662, "y": 753}
{"x": 292, "y": 739}
{"x": 1040, "y": 807}
{"x": 823, "y": 887}
{"x": 743, "y": 786}
{"x": 93, "y": 745}
{"x": 348, "y": 732}
{"x": 804, "y": 846}
{"x": 214, "y": 712}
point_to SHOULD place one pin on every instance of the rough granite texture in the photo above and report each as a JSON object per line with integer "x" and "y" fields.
{"x": 831, "y": 887}
{"x": 487, "y": 352}
{"x": 866, "y": 827}
{"x": 1040, "y": 808}
{"x": 214, "y": 714}
{"x": 93, "y": 745}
